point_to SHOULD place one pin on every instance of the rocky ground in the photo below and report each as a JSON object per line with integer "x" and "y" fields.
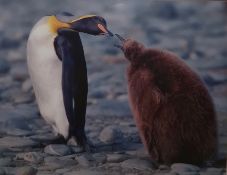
{"x": 195, "y": 31}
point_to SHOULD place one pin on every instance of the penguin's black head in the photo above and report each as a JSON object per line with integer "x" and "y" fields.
{"x": 90, "y": 24}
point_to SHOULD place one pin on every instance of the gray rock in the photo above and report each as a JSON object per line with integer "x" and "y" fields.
{"x": 53, "y": 163}
{"x": 19, "y": 72}
{"x": 116, "y": 158}
{"x": 27, "y": 85}
{"x": 99, "y": 157}
{"x": 4, "y": 66}
{"x": 9, "y": 170}
{"x": 86, "y": 160}
{"x": 2, "y": 172}
{"x": 110, "y": 108}
{"x": 16, "y": 142}
{"x": 138, "y": 164}
{"x": 215, "y": 171}
{"x": 33, "y": 157}
{"x": 26, "y": 171}
{"x": 85, "y": 172}
{"x": 182, "y": 167}
{"x": 111, "y": 134}
{"x": 6, "y": 161}
{"x": 57, "y": 149}
{"x": 213, "y": 79}
{"x": 16, "y": 131}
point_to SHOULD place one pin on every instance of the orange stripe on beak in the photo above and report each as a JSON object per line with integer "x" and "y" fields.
{"x": 100, "y": 26}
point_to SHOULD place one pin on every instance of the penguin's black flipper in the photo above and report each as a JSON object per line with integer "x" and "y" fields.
{"x": 69, "y": 49}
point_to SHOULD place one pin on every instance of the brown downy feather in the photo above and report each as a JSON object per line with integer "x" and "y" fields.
{"x": 171, "y": 106}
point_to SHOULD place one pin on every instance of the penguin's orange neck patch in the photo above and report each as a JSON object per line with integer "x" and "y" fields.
{"x": 55, "y": 24}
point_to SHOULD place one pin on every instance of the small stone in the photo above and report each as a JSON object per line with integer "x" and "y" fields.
{"x": 77, "y": 149}
{"x": 53, "y": 163}
{"x": 33, "y": 157}
{"x": 16, "y": 142}
{"x": 26, "y": 171}
{"x": 85, "y": 172}
{"x": 4, "y": 66}
{"x": 111, "y": 134}
{"x": 27, "y": 85}
{"x": 163, "y": 167}
{"x": 57, "y": 149}
{"x": 214, "y": 171}
{"x": 2, "y": 172}
{"x": 116, "y": 158}
{"x": 138, "y": 164}
{"x": 99, "y": 158}
{"x": 6, "y": 161}
{"x": 86, "y": 160}
{"x": 182, "y": 167}
{"x": 19, "y": 72}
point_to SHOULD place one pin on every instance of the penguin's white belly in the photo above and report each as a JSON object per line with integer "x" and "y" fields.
{"x": 46, "y": 73}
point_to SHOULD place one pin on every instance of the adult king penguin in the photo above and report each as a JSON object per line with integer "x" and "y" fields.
{"x": 57, "y": 68}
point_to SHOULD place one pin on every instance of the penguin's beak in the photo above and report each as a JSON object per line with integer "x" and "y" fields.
{"x": 122, "y": 40}
{"x": 105, "y": 30}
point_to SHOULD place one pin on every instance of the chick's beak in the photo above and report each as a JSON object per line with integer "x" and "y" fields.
{"x": 104, "y": 30}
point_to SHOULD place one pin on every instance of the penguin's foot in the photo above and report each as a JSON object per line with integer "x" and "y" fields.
{"x": 84, "y": 146}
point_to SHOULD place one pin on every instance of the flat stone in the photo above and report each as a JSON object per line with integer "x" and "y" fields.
{"x": 139, "y": 164}
{"x": 53, "y": 163}
{"x": 215, "y": 171}
{"x": 19, "y": 72}
{"x": 182, "y": 167}
{"x": 26, "y": 171}
{"x": 6, "y": 161}
{"x": 33, "y": 157}
{"x": 85, "y": 172}
{"x": 86, "y": 160}
{"x": 4, "y": 66}
{"x": 57, "y": 149}
{"x": 9, "y": 170}
{"x": 111, "y": 134}
{"x": 110, "y": 108}
{"x": 116, "y": 158}
{"x": 16, "y": 142}
{"x": 27, "y": 85}
{"x": 99, "y": 157}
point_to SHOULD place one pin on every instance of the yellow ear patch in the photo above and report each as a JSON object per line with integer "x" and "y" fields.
{"x": 55, "y": 24}
{"x": 83, "y": 17}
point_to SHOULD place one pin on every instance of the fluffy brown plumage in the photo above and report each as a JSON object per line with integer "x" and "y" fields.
{"x": 171, "y": 106}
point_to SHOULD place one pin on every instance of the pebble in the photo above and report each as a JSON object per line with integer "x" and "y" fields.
{"x": 85, "y": 172}
{"x": 33, "y": 157}
{"x": 111, "y": 134}
{"x": 182, "y": 167}
{"x": 138, "y": 164}
{"x": 26, "y": 171}
{"x": 53, "y": 163}
{"x": 27, "y": 85}
{"x": 4, "y": 66}
{"x": 99, "y": 157}
{"x": 19, "y": 72}
{"x": 16, "y": 142}
{"x": 57, "y": 149}
{"x": 116, "y": 158}
{"x": 6, "y": 161}
{"x": 86, "y": 160}
{"x": 214, "y": 171}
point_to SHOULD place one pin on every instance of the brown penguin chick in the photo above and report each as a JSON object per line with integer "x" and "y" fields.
{"x": 171, "y": 106}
